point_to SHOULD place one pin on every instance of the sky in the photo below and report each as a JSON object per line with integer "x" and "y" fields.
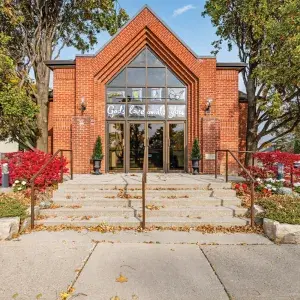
{"x": 183, "y": 17}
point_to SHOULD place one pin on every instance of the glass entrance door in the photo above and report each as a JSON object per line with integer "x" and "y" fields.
{"x": 176, "y": 149}
{"x": 137, "y": 137}
{"x": 156, "y": 137}
{"x": 116, "y": 147}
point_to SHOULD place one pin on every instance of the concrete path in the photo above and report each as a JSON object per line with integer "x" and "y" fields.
{"x": 157, "y": 265}
{"x": 152, "y": 178}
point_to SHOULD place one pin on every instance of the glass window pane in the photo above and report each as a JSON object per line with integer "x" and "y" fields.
{"x": 177, "y": 94}
{"x": 172, "y": 80}
{"x": 136, "y": 111}
{"x": 115, "y": 95}
{"x": 153, "y": 60}
{"x": 139, "y": 60}
{"x": 156, "y": 76}
{"x": 119, "y": 80}
{"x": 156, "y": 111}
{"x": 156, "y": 94}
{"x": 176, "y": 111}
{"x": 115, "y": 111}
{"x": 136, "y": 76}
{"x": 136, "y": 94}
{"x": 137, "y": 138}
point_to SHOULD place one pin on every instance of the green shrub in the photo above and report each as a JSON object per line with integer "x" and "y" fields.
{"x": 281, "y": 208}
{"x": 98, "y": 154}
{"x": 195, "y": 154}
{"x": 11, "y": 207}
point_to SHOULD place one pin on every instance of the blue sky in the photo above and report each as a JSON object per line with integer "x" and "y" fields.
{"x": 183, "y": 17}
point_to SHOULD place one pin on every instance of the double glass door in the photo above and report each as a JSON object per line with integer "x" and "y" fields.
{"x": 165, "y": 140}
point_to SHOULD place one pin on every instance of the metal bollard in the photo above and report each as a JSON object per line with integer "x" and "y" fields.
{"x": 5, "y": 175}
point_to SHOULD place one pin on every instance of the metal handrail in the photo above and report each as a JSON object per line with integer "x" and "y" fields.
{"x": 252, "y": 180}
{"x": 144, "y": 181}
{"x": 32, "y": 184}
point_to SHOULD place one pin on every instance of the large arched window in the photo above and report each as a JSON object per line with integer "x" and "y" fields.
{"x": 146, "y": 89}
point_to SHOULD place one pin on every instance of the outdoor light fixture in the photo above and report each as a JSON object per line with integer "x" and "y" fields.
{"x": 208, "y": 106}
{"x": 82, "y": 105}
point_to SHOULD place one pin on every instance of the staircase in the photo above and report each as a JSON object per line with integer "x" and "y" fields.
{"x": 86, "y": 203}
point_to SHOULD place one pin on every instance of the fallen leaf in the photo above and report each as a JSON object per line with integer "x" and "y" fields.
{"x": 15, "y": 296}
{"x": 38, "y": 296}
{"x": 121, "y": 279}
{"x": 115, "y": 298}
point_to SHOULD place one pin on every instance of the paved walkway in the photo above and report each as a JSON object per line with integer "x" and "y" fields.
{"x": 157, "y": 265}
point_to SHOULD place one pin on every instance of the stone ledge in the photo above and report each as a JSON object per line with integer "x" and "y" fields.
{"x": 9, "y": 227}
{"x": 281, "y": 232}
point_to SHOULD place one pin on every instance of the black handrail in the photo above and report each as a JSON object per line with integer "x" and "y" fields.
{"x": 32, "y": 181}
{"x": 144, "y": 181}
{"x": 252, "y": 180}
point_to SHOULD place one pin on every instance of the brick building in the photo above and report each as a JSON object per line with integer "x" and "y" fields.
{"x": 145, "y": 84}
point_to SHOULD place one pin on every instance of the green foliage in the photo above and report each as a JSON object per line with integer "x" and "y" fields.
{"x": 267, "y": 36}
{"x": 39, "y": 30}
{"x": 97, "y": 154}
{"x": 284, "y": 209}
{"x": 11, "y": 207}
{"x": 17, "y": 110}
{"x": 195, "y": 154}
{"x": 297, "y": 146}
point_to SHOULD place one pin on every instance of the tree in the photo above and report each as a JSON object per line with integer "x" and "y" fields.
{"x": 266, "y": 33}
{"x": 17, "y": 109}
{"x": 48, "y": 26}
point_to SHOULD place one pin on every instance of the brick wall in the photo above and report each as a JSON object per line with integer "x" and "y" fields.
{"x": 90, "y": 75}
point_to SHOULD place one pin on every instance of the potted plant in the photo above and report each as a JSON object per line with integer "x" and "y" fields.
{"x": 195, "y": 156}
{"x": 97, "y": 156}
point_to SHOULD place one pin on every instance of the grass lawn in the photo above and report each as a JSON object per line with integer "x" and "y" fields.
{"x": 11, "y": 206}
{"x": 284, "y": 209}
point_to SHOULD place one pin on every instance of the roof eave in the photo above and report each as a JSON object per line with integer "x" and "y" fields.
{"x": 60, "y": 64}
{"x": 231, "y": 66}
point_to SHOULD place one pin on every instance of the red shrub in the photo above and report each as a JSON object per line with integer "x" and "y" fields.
{"x": 24, "y": 165}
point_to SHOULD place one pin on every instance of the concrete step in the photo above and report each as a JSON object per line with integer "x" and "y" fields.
{"x": 138, "y": 193}
{"x": 135, "y": 222}
{"x": 194, "y": 211}
{"x": 121, "y": 202}
{"x": 72, "y": 185}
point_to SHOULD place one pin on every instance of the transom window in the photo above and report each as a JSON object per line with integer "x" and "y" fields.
{"x": 146, "y": 89}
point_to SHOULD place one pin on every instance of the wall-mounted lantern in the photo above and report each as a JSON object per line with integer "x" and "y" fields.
{"x": 83, "y": 105}
{"x": 208, "y": 106}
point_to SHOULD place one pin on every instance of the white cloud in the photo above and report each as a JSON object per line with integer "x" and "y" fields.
{"x": 182, "y": 10}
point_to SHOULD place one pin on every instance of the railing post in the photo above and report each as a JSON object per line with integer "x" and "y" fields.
{"x": 32, "y": 203}
{"x": 61, "y": 167}
{"x": 144, "y": 202}
{"x": 292, "y": 178}
{"x": 216, "y": 163}
{"x": 71, "y": 164}
{"x": 252, "y": 203}
{"x": 226, "y": 169}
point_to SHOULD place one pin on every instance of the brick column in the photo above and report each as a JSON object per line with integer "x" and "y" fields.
{"x": 210, "y": 142}
{"x": 81, "y": 144}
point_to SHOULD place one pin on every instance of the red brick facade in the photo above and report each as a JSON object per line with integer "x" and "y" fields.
{"x": 88, "y": 76}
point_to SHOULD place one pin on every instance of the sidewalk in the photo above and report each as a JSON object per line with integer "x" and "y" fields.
{"x": 157, "y": 265}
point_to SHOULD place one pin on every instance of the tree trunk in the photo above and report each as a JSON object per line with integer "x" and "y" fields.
{"x": 42, "y": 76}
{"x": 252, "y": 125}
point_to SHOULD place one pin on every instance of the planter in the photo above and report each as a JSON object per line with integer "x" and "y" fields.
{"x": 195, "y": 166}
{"x": 97, "y": 166}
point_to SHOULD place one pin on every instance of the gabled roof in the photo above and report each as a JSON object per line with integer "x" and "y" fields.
{"x": 52, "y": 64}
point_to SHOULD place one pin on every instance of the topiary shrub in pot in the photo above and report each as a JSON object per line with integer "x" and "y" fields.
{"x": 195, "y": 156}
{"x": 97, "y": 156}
